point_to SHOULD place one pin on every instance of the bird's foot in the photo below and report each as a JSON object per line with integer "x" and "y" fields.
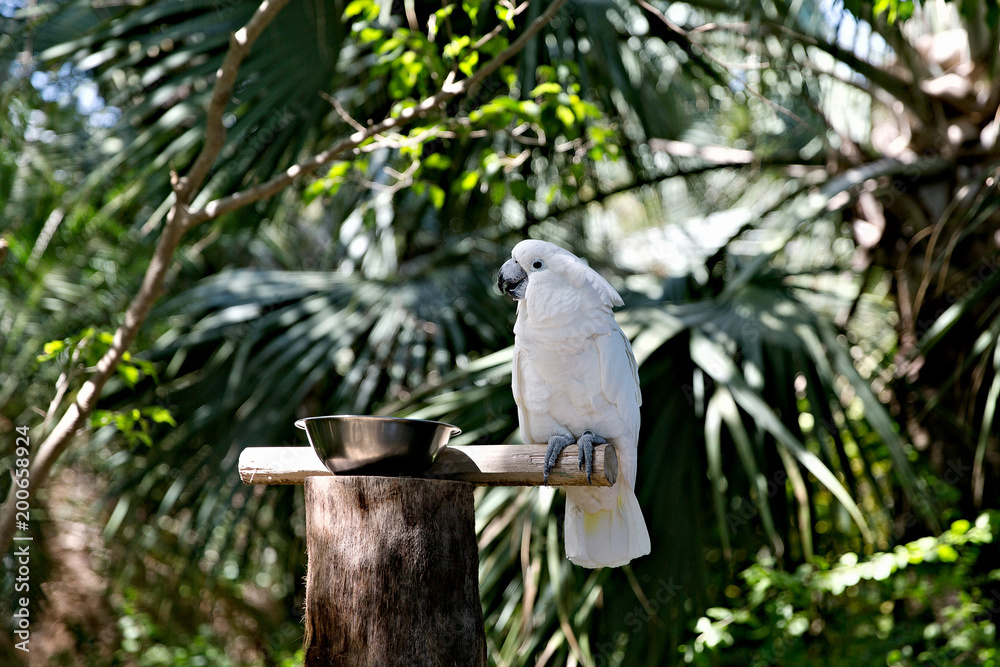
{"x": 586, "y": 457}
{"x": 557, "y": 443}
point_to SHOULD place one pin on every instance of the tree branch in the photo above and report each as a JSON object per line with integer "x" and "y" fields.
{"x": 152, "y": 283}
{"x": 711, "y": 158}
{"x": 268, "y": 189}
{"x": 222, "y": 93}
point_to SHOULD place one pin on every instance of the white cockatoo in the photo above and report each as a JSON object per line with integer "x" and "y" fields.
{"x": 575, "y": 380}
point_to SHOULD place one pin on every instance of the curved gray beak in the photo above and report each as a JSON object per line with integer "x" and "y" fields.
{"x": 512, "y": 280}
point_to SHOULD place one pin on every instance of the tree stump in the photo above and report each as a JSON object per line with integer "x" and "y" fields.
{"x": 393, "y": 562}
{"x": 393, "y": 575}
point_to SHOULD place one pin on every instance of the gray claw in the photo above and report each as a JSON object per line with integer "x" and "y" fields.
{"x": 586, "y": 457}
{"x": 556, "y": 444}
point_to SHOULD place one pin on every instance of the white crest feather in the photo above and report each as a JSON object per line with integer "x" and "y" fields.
{"x": 569, "y": 265}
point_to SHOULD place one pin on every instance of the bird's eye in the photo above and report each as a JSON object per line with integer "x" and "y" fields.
{"x": 537, "y": 264}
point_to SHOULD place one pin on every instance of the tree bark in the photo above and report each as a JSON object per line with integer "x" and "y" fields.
{"x": 393, "y": 574}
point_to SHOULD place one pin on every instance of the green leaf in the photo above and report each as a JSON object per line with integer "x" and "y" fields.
{"x": 143, "y": 436}
{"x": 960, "y": 527}
{"x": 159, "y": 415}
{"x": 946, "y": 553}
{"x": 468, "y": 64}
{"x": 895, "y": 9}
{"x": 124, "y": 422}
{"x": 145, "y": 366}
{"x": 986, "y": 426}
{"x": 505, "y": 12}
{"x": 730, "y": 414}
{"x": 369, "y": 8}
{"x": 566, "y": 116}
{"x": 130, "y": 374}
{"x": 389, "y": 45}
{"x": 548, "y": 88}
{"x": 339, "y": 170}
{"x": 445, "y": 11}
{"x": 438, "y": 161}
{"x": 875, "y": 413}
{"x": 721, "y": 368}
{"x": 585, "y": 109}
{"x": 437, "y": 18}
{"x": 468, "y": 180}
{"x": 53, "y": 346}
{"x": 101, "y": 418}
{"x": 717, "y": 479}
{"x": 436, "y": 195}
{"x": 315, "y": 189}
{"x": 950, "y": 317}
{"x": 456, "y": 46}
{"x": 529, "y": 109}
{"x": 368, "y": 35}
{"x": 471, "y": 7}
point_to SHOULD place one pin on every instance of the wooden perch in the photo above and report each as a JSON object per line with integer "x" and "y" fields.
{"x": 483, "y": 465}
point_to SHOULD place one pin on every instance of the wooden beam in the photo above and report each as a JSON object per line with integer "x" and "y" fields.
{"x": 483, "y": 465}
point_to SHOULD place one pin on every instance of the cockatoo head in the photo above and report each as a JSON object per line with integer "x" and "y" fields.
{"x": 540, "y": 266}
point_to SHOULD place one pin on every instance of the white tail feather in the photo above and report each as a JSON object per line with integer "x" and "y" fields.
{"x": 606, "y": 538}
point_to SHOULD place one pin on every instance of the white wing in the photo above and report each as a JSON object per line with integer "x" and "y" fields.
{"x": 620, "y": 379}
{"x": 515, "y": 386}
{"x": 604, "y": 527}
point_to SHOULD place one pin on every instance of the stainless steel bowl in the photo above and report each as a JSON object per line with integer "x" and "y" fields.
{"x": 387, "y": 446}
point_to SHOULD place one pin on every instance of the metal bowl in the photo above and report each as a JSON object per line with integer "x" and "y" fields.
{"x": 387, "y": 446}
